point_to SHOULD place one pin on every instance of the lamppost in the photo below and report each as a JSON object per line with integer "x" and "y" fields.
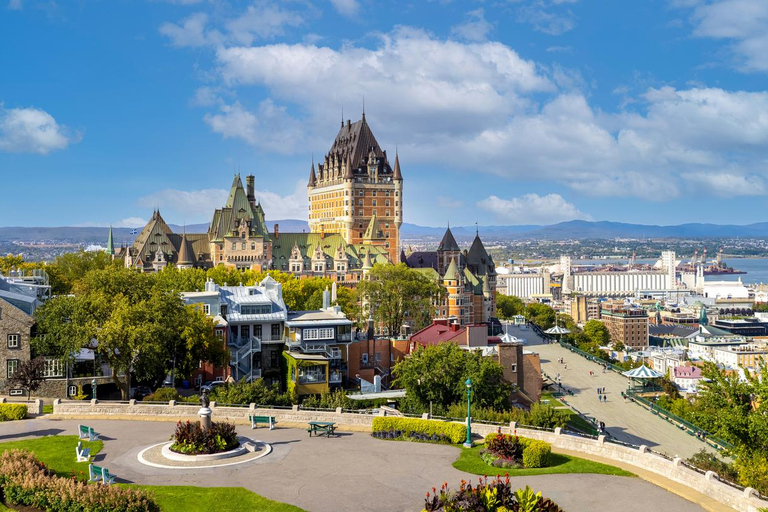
{"x": 93, "y": 387}
{"x": 468, "y": 442}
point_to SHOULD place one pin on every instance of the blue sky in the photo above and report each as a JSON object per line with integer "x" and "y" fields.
{"x": 503, "y": 112}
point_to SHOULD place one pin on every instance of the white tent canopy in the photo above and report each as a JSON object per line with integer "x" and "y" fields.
{"x": 643, "y": 372}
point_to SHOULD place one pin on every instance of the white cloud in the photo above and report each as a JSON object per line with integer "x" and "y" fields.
{"x": 270, "y": 127}
{"x": 198, "y": 205}
{"x": 744, "y": 22}
{"x": 15, "y": 5}
{"x": 261, "y": 20}
{"x": 532, "y": 209}
{"x": 131, "y": 222}
{"x": 348, "y": 8}
{"x": 547, "y": 19}
{"x": 727, "y": 184}
{"x": 475, "y": 27}
{"x": 29, "y": 130}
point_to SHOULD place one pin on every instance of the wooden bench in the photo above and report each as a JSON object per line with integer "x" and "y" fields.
{"x": 87, "y": 433}
{"x": 97, "y": 473}
{"x": 321, "y": 427}
{"x": 270, "y": 420}
{"x": 83, "y": 454}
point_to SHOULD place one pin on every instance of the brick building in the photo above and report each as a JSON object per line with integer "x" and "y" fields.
{"x": 626, "y": 323}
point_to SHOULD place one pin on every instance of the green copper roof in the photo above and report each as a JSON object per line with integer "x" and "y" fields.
{"x": 329, "y": 245}
{"x": 452, "y": 272}
{"x": 110, "y": 243}
{"x": 373, "y": 232}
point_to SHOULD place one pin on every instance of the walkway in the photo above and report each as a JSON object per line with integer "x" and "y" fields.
{"x": 352, "y": 472}
{"x": 625, "y": 421}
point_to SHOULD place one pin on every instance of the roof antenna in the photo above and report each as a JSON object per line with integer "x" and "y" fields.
{"x": 363, "y": 107}
{"x": 342, "y": 115}
{"x": 477, "y": 229}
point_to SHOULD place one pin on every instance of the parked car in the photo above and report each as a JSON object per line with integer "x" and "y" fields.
{"x": 139, "y": 392}
{"x": 210, "y": 385}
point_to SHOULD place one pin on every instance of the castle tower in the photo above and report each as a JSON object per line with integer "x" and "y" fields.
{"x": 354, "y": 184}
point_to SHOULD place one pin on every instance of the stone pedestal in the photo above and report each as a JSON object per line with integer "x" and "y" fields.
{"x": 205, "y": 417}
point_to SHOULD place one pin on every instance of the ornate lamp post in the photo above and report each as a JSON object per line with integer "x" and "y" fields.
{"x": 93, "y": 388}
{"x": 468, "y": 442}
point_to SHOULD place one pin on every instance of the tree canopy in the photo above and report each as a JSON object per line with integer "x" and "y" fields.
{"x": 507, "y": 306}
{"x": 437, "y": 374}
{"x": 597, "y": 333}
{"x": 394, "y": 293}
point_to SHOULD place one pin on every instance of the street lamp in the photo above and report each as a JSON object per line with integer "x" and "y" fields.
{"x": 468, "y": 442}
{"x": 93, "y": 387}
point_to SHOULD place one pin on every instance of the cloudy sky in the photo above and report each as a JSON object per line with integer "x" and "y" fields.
{"x": 502, "y": 111}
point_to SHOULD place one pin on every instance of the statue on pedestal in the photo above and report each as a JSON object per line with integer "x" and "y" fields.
{"x": 205, "y": 410}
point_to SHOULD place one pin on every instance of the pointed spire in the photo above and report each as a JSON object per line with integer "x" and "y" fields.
{"x": 452, "y": 273}
{"x": 110, "y": 243}
{"x": 397, "y": 175}
{"x": 448, "y": 243}
{"x": 367, "y": 261}
{"x": 312, "y": 179}
{"x": 363, "y": 107}
{"x": 349, "y": 175}
{"x": 184, "y": 253}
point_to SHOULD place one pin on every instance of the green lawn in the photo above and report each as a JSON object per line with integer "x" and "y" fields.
{"x": 182, "y": 498}
{"x": 470, "y": 461}
{"x": 58, "y": 453}
{"x": 48, "y": 409}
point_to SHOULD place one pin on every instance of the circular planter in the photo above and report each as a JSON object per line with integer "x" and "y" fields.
{"x": 181, "y": 457}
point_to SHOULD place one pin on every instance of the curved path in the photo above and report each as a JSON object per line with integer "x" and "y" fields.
{"x": 351, "y": 472}
{"x": 625, "y": 421}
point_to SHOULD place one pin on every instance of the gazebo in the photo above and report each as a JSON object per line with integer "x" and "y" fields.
{"x": 642, "y": 372}
{"x": 557, "y": 331}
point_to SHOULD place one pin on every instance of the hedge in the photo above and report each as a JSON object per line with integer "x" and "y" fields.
{"x": 12, "y": 412}
{"x": 535, "y": 453}
{"x": 456, "y": 432}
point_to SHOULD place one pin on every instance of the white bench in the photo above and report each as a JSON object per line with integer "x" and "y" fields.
{"x": 87, "y": 433}
{"x": 83, "y": 454}
{"x": 97, "y": 473}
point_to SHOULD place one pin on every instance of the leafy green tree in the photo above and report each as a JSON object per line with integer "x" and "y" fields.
{"x": 507, "y": 306}
{"x": 437, "y": 374}
{"x": 395, "y": 293}
{"x": 180, "y": 280}
{"x": 69, "y": 268}
{"x": 540, "y": 314}
{"x": 256, "y": 392}
{"x": 597, "y": 332}
{"x": 10, "y": 261}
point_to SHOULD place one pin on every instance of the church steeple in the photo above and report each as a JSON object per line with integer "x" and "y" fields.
{"x": 110, "y": 243}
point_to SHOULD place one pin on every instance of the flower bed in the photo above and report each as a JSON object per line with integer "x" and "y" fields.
{"x": 191, "y": 439}
{"x": 12, "y": 412}
{"x": 493, "y": 495}
{"x": 26, "y": 481}
{"x": 505, "y": 451}
{"x": 420, "y": 430}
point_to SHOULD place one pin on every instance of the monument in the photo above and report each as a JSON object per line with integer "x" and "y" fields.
{"x": 205, "y": 410}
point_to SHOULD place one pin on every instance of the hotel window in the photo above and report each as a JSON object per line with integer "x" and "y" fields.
{"x": 243, "y": 246}
{"x": 374, "y": 202}
{"x": 386, "y": 203}
{"x": 253, "y": 247}
{"x": 360, "y": 202}
{"x": 387, "y": 193}
{"x": 12, "y": 365}
{"x": 13, "y": 341}
{"x": 387, "y": 213}
{"x": 234, "y": 246}
{"x": 361, "y": 193}
{"x": 396, "y": 193}
{"x": 360, "y": 212}
{"x": 374, "y": 193}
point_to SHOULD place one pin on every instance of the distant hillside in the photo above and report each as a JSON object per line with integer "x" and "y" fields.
{"x": 576, "y": 229}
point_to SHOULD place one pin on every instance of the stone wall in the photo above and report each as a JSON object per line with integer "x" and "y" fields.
{"x": 13, "y": 322}
{"x": 744, "y": 501}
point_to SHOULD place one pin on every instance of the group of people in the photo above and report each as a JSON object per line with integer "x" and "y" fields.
{"x": 602, "y": 395}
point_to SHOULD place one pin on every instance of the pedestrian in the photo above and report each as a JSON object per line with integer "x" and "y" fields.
{"x": 565, "y": 367}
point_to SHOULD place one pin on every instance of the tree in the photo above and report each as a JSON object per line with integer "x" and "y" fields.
{"x": 508, "y": 306}
{"x": 396, "y": 292}
{"x": 10, "y": 261}
{"x": 597, "y": 332}
{"x": 540, "y": 314}
{"x": 437, "y": 374}
{"x": 28, "y": 375}
{"x": 180, "y": 280}
{"x": 69, "y": 268}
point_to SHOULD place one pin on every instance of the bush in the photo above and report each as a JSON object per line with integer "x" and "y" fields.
{"x": 536, "y": 454}
{"x": 488, "y": 496}
{"x": 168, "y": 394}
{"x": 191, "y": 439}
{"x": 256, "y": 392}
{"x": 532, "y": 452}
{"x": 455, "y": 432}
{"x": 709, "y": 462}
{"x": 459, "y": 410}
{"x": 25, "y": 481}
{"x": 10, "y": 412}
{"x": 546, "y": 416}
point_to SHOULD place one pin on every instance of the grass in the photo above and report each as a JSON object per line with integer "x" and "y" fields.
{"x": 470, "y": 462}
{"x": 183, "y": 498}
{"x": 48, "y": 409}
{"x": 58, "y": 453}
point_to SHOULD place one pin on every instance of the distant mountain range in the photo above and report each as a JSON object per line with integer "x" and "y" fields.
{"x": 579, "y": 229}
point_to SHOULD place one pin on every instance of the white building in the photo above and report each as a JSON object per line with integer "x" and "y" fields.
{"x": 687, "y": 378}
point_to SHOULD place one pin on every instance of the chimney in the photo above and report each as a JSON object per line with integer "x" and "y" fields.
{"x": 249, "y": 184}
{"x": 277, "y": 231}
{"x": 326, "y": 299}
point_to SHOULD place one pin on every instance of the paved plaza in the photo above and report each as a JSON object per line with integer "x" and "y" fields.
{"x": 625, "y": 421}
{"x": 351, "y": 472}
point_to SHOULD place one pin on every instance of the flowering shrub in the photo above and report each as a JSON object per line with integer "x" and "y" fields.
{"x": 494, "y": 495}
{"x": 191, "y": 439}
{"x": 505, "y": 451}
{"x": 26, "y": 481}
{"x": 12, "y": 412}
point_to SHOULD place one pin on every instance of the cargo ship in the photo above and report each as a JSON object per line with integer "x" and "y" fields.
{"x": 716, "y": 267}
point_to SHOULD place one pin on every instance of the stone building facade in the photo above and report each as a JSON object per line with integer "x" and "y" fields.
{"x": 15, "y": 334}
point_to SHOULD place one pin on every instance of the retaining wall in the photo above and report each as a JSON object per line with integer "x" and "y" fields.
{"x": 708, "y": 484}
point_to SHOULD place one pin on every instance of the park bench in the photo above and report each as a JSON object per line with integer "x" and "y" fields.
{"x": 83, "y": 454}
{"x": 270, "y": 420}
{"x": 321, "y": 427}
{"x": 97, "y": 473}
{"x": 87, "y": 433}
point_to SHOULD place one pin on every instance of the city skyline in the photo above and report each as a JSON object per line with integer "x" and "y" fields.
{"x": 525, "y": 112}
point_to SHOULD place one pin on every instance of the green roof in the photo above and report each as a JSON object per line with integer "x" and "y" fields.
{"x": 329, "y": 245}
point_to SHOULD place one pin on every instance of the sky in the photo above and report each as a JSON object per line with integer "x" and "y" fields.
{"x": 502, "y": 111}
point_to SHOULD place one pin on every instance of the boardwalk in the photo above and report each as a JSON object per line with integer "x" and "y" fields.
{"x": 625, "y": 421}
